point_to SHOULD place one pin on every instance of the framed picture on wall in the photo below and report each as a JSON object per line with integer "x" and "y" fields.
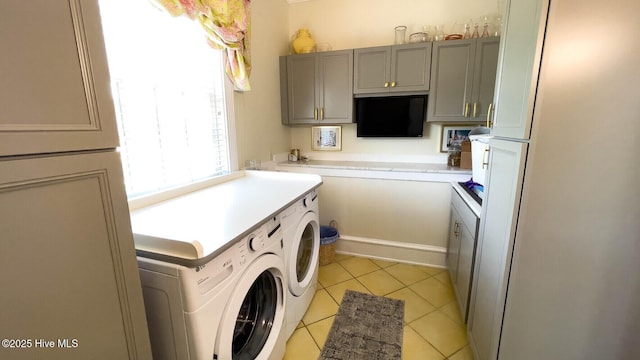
{"x": 454, "y": 135}
{"x": 326, "y": 138}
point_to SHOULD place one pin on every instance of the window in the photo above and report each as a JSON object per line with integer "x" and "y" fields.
{"x": 168, "y": 87}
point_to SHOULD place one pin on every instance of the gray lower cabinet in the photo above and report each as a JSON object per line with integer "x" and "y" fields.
{"x": 463, "y": 230}
{"x": 392, "y": 69}
{"x": 317, "y": 88}
{"x": 463, "y": 77}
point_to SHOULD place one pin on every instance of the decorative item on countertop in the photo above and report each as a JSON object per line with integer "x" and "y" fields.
{"x": 454, "y": 155}
{"x": 400, "y": 33}
{"x": 253, "y": 164}
{"x": 294, "y": 155}
{"x": 303, "y": 43}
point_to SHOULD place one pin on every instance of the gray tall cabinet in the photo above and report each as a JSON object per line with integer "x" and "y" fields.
{"x": 463, "y": 76}
{"x": 68, "y": 271}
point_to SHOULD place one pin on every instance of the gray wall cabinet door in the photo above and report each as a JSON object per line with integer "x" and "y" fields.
{"x": 451, "y": 78}
{"x": 462, "y": 79}
{"x": 484, "y": 77}
{"x": 372, "y": 70}
{"x": 410, "y": 67}
{"x": 336, "y": 92}
{"x": 302, "y": 88}
{"x": 53, "y": 55}
{"x": 390, "y": 69}
{"x": 319, "y": 88}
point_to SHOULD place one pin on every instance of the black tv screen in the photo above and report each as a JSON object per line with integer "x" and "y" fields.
{"x": 391, "y": 116}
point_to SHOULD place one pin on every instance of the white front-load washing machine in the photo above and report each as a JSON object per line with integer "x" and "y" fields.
{"x": 301, "y": 233}
{"x": 232, "y": 307}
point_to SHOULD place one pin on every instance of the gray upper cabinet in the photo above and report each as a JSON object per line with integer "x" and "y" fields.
{"x": 463, "y": 79}
{"x": 317, "y": 88}
{"x": 53, "y": 55}
{"x": 391, "y": 69}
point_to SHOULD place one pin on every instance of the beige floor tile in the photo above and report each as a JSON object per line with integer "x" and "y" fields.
{"x": 452, "y": 310}
{"x": 444, "y": 278}
{"x": 414, "y": 305}
{"x": 337, "y": 291}
{"x": 301, "y": 346}
{"x": 300, "y": 324}
{"x": 432, "y": 270}
{"x": 414, "y": 347}
{"x": 383, "y": 263}
{"x": 358, "y": 266}
{"x": 341, "y": 257}
{"x": 441, "y": 332}
{"x": 464, "y": 354}
{"x": 332, "y": 274}
{"x": 437, "y": 293}
{"x": 320, "y": 330}
{"x": 407, "y": 274}
{"x": 322, "y": 306}
{"x": 380, "y": 283}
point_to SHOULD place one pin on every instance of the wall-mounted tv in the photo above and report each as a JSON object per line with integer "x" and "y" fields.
{"x": 391, "y": 116}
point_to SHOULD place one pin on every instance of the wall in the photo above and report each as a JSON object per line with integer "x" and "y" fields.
{"x": 408, "y": 212}
{"x": 363, "y": 23}
{"x": 410, "y": 218}
{"x": 258, "y": 130}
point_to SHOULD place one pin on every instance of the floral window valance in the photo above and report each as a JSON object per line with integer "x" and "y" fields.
{"x": 227, "y": 26}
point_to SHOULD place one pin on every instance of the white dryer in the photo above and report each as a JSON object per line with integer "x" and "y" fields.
{"x": 301, "y": 233}
{"x": 232, "y": 307}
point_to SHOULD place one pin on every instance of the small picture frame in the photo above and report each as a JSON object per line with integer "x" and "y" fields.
{"x": 454, "y": 134}
{"x": 326, "y": 138}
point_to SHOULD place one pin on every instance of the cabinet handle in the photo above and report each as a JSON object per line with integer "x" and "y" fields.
{"x": 321, "y": 113}
{"x": 475, "y": 110}
{"x": 386, "y": 84}
{"x": 393, "y": 84}
{"x": 489, "y": 115}
{"x": 466, "y": 110}
{"x": 315, "y": 113}
{"x": 455, "y": 229}
{"x": 485, "y": 158}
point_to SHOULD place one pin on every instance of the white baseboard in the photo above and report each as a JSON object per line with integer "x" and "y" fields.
{"x": 409, "y": 253}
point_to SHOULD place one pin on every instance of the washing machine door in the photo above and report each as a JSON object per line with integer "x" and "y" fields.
{"x": 305, "y": 251}
{"x": 253, "y": 320}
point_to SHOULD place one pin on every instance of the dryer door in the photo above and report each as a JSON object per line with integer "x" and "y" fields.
{"x": 305, "y": 250}
{"x": 254, "y": 316}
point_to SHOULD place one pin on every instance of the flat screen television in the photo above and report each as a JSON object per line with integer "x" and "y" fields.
{"x": 391, "y": 116}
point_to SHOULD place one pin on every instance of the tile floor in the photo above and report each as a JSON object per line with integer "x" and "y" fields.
{"x": 433, "y": 328}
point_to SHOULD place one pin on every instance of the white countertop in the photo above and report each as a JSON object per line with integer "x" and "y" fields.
{"x": 473, "y": 205}
{"x": 203, "y": 223}
{"x": 379, "y": 170}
